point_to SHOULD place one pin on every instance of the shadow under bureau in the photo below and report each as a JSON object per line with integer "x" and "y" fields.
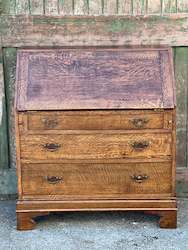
{"x": 95, "y": 131}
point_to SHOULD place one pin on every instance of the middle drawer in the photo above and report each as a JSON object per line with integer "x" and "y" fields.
{"x": 95, "y": 146}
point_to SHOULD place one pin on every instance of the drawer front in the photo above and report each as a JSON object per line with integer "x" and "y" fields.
{"x": 96, "y": 180}
{"x": 95, "y": 146}
{"x": 98, "y": 120}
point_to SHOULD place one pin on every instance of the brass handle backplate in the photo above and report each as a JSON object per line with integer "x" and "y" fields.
{"x": 54, "y": 179}
{"x": 49, "y": 123}
{"x": 140, "y": 145}
{"x": 139, "y": 178}
{"x": 51, "y": 146}
{"x": 139, "y": 122}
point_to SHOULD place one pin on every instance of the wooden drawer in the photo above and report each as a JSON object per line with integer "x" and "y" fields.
{"x": 109, "y": 145}
{"x": 96, "y": 180}
{"x": 99, "y": 120}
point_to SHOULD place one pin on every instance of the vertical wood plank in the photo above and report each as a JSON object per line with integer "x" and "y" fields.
{"x": 7, "y": 6}
{"x": 154, "y": 7}
{"x": 51, "y": 7}
{"x": 4, "y": 162}
{"x": 182, "y": 6}
{"x": 95, "y": 7}
{"x": 66, "y": 7}
{"x": 9, "y": 57}
{"x": 81, "y": 7}
{"x": 169, "y": 6}
{"x": 22, "y": 7}
{"x": 139, "y": 7}
{"x": 181, "y": 74}
{"x": 110, "y": 7}
{"x": 36, "y": 7}
{"x": 125, "y": 7}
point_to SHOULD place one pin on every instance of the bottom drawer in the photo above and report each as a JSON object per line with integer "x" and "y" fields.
{"x": 96, "y": 180}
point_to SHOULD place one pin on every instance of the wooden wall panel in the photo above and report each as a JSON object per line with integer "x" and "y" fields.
{"x": 51, "y": 7}
{"x": 22, "y": 7}
{"x": 154, "y": 7}
{"x": 7, "y": 6}
{"x": 36, "y": 7}
{"x": 46, "y": 31}
{"x": 182, "y": 6}
{"x": 9, "y": 57}
{"x": 139, "y": 7}
{"x": 110, "y": 7}
{"x": 125, "y": 7}
{"x": 66, "y": 7}
{"x": 181, "y": 73}
{"x": 95, "y": 7}
{"x": 81, "y": 7}
{"x": 4, "y": 160}
{"x": 169, "y": 6}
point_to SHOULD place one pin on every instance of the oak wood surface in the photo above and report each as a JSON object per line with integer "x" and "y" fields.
{"x": 98, "y": 120}
{"x": 96, "y": 180}
{"x": 97, "y": 205}
{"x": 96, "y": 160}
{"x": 95, "y": 78}
{"x": 94, "y": 146}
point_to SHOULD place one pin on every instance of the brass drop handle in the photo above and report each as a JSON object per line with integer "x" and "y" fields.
{"x": 140, "y": 145}
{"x": 53, "y": 179}
{"x": 139, "y": 178}
{"x": 52, "y": 147}
{"x": 139, "y": 122}
{"x": 50, "y": 123}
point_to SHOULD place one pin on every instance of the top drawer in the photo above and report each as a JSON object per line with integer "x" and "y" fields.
{"x": 98, "y": 120}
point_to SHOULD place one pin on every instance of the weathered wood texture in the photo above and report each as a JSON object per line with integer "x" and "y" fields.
{"x": 94, "y": 7}
{"x": 4, "y": 162}
{"x": 17, "y": 31}
{"x": 117, "y": 72}
{"x": 181, "y": 72}
{"x": 9, "y": 57}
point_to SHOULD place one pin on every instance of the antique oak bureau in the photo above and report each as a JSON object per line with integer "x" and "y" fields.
{"x": 95, "y": 131}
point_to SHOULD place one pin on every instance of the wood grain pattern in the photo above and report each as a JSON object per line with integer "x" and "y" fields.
{"x": 170, "y": 6}
{"x": 4, "y": 154}
{"x": 139, "y": 7}
{"x": 36, "y": 7}
{"x": 125, "y": 7}
{"x": 82, "y": 164}
{"x": 94, "y": 146}
{"x": 182, "y": 6}
{"x": 22, "y": 31}
{"x": 9, "y": 60}
{"x": 51, "y": 7}
{"x": 112, "y": 79}
{"x": 168, "y": 217}
{"x": 66, "y": 7}
{"x": 22, "y": 7}
{"x": 110, "y": 7}
{"x": 96, "y": 180}
{"x": 154, "y": 7}
{"x": 81, "y": 7}
{"x": 95, "y": 7}
{"x": 98, "y": 120}
{"x": 181, "y": 73}
{"x": 25, "y": 221}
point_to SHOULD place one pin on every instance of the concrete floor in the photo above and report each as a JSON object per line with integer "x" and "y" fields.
{"x": 93, "y": 231}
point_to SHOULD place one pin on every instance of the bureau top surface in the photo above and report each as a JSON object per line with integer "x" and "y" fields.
{"x": 94, "y": 78}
